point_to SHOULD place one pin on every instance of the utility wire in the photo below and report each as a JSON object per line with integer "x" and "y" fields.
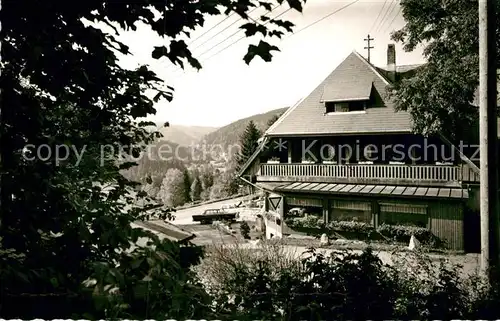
{"x": 231, "y": 44}
{"x": 178, "y": 69}
{"x": 232, "y": 35}
{"x": 218, "y": 33}
{"x": 300, "y": 30}
{"x": 243, "y": 37}
{"x": 393, "y": 19}
{"x": 229, "y": 16}
{"x": 295, "y": 33}
{"x": 239, "y": 39}
{"x": 393, "y": 7}
{"x": 379, "y": 14}
{"x": 325, "y": 17}
{"x": 383, "y": 18}
{"x": 220, "y": 42}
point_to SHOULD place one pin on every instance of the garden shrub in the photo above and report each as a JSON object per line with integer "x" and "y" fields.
{"x": 402, "y": 233}
{"x": 310, "y": 221}
{"x": 350, "y": 226}
{"x": 245, "y": 230}
{"x": 225, "y": 263}
{"x": 271, "y": 284}
{"x": 396, "y": 233}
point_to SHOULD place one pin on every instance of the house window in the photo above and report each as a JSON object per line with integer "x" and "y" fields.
{"x": 344, "y": 107}
{"x": 341, "y": 107}
{"x": 357, "y": 105}
{"x": 404, "y": 214}
{"x": 351, "y": 211}
{"x": 296, "y": 201}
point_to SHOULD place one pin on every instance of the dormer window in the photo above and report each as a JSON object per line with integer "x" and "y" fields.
{"x": 341, "y": 96}
{"x": 345, "y": 107}
{"x": 339, "y": 107}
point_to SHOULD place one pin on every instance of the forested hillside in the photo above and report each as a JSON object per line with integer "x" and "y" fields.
{"x": 230, "y": 134}
{"x": 184, "y": 135}
{"x": 182, "y": 168}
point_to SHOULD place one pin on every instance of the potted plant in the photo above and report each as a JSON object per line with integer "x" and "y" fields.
{"x": 273, "y": 160}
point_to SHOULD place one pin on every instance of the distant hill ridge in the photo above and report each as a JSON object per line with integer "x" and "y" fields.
{"x": 174, "y": 149}
{"x": 230, "y": 134}
{"x": 184, "y": 135}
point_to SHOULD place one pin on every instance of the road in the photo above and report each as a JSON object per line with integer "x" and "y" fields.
{"x": 184, "y": 216}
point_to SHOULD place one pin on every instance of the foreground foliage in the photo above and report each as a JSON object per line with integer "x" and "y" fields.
{"x": 257, "y": 284}
{"x": 66, "y": 218}
{"x": 440, "y": 96}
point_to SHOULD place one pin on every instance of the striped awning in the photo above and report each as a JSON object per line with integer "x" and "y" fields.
{"x": 375, "y": 190}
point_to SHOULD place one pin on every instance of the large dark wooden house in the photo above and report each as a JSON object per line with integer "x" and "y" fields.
{"x": 344, "y": 152}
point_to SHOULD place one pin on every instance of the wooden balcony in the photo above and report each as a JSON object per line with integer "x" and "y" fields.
{"x": 357, "y": 173}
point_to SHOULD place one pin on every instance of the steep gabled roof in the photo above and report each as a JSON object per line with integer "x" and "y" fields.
{"x": 309, "y": 117}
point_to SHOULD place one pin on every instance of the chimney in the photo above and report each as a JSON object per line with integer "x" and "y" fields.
{"x": 391, "y": 62}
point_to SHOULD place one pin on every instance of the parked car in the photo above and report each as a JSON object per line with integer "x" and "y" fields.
{"x": 230, "y": 208}
{"x": 211, "y": 215}
{"x": 297, "y": 211}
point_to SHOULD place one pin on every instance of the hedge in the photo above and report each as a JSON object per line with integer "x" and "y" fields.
{"x": 399, "y": 233}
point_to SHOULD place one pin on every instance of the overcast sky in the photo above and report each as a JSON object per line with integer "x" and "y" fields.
{"x": 226, "y": 89}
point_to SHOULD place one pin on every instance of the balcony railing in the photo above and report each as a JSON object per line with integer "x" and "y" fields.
{"x": 398, "y": 174}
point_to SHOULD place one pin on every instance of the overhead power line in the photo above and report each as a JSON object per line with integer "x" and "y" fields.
{"x": 294, "y": 33}
{"x": 378, "y": 16}
{"x": 177, "y": 69}
{"x": 393, "y": 19}
{"x": 221, "y": 31}
{"x": 325, "y": 17}
{"x": 237, "y": 40}
{"x": 243, "y": 37}
{"x": 216, "y": 25}
{"x": 300, "y": 30}
{"x": 233, "y": 34}
{"x": 388, "y": 16}
{"x": 384, "y": 16}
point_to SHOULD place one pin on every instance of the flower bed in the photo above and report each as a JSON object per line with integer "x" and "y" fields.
{"x": 315, "y": 226}
{"x": 349, "y": 229}
{"x": 401, "y": 233}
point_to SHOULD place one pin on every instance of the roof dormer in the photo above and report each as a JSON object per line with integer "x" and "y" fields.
{"x": 351, "y": 95}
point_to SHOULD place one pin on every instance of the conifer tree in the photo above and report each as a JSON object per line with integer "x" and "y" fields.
{"x": 248, "y": 143}
{"x": 196, "y": 189}
{"x": 186, "y": 186}
{"x": 273, "y": 119}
